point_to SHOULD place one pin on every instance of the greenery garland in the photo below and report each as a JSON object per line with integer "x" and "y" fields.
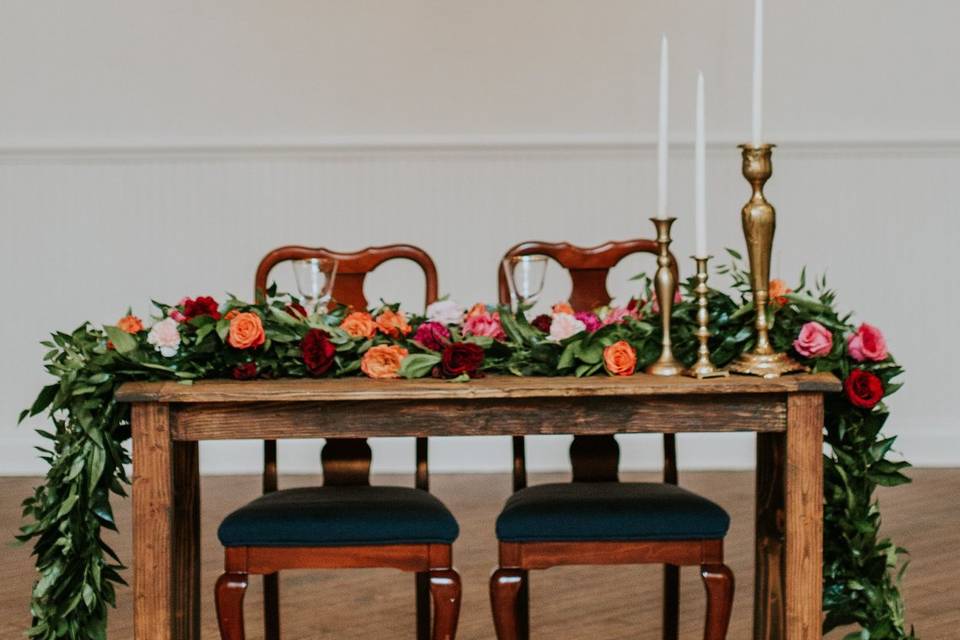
{"x": 198, "y": 339}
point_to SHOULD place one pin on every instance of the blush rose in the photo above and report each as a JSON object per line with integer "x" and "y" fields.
{"x": 814, "y": 341}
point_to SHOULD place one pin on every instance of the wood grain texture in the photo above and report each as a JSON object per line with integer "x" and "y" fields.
{"x": 478, "y": 417}
{"x": 405, "y": 557}
{"x": 153, "y": 503}
{"x": 186, "y": 540}
{"x": 543, "y": 555}
{"x": 804, "y": 516}
{"x": 769, "y": 612}
{"x": 490, "y": 387}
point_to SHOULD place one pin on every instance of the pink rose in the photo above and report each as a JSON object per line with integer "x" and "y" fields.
{"x": 589, "y": 320}
{"x": 814, "y": 341}
{"x": 432, "y": 335}
{"x": 484, "y": 323}
{"x": 616, "y": 315}
{"x": 867, "y": 343}
{"x": 565, "y": 325}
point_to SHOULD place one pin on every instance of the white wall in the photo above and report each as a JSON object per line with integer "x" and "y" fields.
{"x": 158, "y": 150}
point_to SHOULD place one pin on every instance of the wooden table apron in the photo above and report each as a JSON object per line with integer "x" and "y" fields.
{"x": 169, "y": 419}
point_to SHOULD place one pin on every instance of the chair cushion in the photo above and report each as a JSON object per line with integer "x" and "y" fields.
{"x": 582, "y": 511}
{"x": 339, "y": 516}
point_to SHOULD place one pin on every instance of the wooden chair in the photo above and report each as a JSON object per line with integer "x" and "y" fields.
{"x": 595, "y": 487}
{"x": 417, "y": 538}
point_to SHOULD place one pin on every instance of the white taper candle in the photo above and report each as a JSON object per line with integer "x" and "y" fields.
{"x": 757, "y": 73}
{"x": 700, "y": 179}
{"x": 662, "y": 137}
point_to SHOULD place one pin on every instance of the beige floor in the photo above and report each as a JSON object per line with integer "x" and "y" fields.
{"x": 606, "y": 603}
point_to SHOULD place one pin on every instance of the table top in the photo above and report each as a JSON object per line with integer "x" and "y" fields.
{"x": 495, "y": 386}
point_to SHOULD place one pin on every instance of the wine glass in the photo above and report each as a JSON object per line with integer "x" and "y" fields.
{"x": 315, "y": 278}
{"x": 525, "y": 277}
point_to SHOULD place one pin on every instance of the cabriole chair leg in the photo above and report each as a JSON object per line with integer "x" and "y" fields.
{"x": 230, "y": 590}
{"x": 718, "y": 580}
{"x": 445, "y": 590}
{"x": 505, "y": 588}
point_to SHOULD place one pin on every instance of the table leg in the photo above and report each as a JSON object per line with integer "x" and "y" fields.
{"x": 186, "y": 541}
{"x": 152, "y": 523}
{"x": 804, "y": 516}
{"x": 768, "y": 602}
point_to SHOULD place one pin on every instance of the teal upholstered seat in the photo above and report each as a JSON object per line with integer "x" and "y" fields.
{"x": 340, "y": 516}
{"x": 587, "y": 511}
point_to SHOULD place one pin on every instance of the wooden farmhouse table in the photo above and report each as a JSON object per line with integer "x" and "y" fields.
{"x": 169, "y": 419}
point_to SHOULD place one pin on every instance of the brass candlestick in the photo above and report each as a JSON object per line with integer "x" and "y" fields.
{"x": 665, "y": 286}
{"x": 759, "y": 222}
{"x": 703, "y": 367}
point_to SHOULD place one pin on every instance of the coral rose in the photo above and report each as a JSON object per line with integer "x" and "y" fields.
{"x": 359, "y": 324}
{"x": 777, "y": 291}
{"x": 130, "y": 324}
{"x": 461, "y": 358}
{"x": 485, "y": 325}
{"x": 564, "y": 325}
{"x": 383, "y": 361}
{"x": 445, "y": 312}
{"x": 165, "y": 337}
{"x": 432, "y": 335}
{"x": 620, "y": 359}
{"x": 317, "y": 352}
{"x": 562, "y": 307}
{"x": 478, "y": 309}
{"x": 814, "y": 341}
{"x": 246, "y": 331}
{"x": 393, "y": 323}
{"x": 863, "y": 389}
{"x": 867, "y": 343}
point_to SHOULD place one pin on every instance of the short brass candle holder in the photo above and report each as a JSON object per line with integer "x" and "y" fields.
{"x": 665, "y": 286}
{"x": 759, "y": 223}
{"x": 703, "y": 367}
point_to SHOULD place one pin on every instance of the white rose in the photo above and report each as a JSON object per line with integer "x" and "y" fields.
{"x": 165, "y": 337}
{"x": 563, "y": 326}
{"x": 445, "y": 312}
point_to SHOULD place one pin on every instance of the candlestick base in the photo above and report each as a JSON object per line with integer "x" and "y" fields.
{"x": 665, "y": 365}
{"x": 702, "y": 370}
{"x": 766, "y": 365}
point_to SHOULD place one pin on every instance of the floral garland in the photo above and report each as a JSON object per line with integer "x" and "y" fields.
{"x": 199, "y": 338}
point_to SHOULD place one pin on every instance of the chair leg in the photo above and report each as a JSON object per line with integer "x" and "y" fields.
{"x": 523, "y": 608}
{"x": 423, "y": 605}
{"x": 271, "y": 606}
{"x": 671, "y": 602}
{"x": 229, "y": 593}
{"x": 718, "y": 580}
{"x": 445, "y": 589}
{"x": 505, "y": 588}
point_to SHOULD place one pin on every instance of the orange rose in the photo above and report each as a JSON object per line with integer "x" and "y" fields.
{"x": 563, "y": 307}
{"x": 478, "y": 309}
{"x": 233, "y": 313}
{"x": 393, "y": 323}
{"x": 359, "y": 324}
{"x": 383, "y": 361}
{"x": 246, "y": 331}
{"x": 778, "y": 291}
{"x": 620, "y": 359}
{"x": 130, "y": 324}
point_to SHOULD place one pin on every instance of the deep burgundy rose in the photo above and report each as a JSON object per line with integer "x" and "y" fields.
{"x": 542, "y": 323}
{"x": 460, "y": 358}
{"x": 863, "y": 389}
{"x": 317, "y": 352}
{"x": 296, "y": 310}
{"x": 202, "y": 306}
{"x": 245, "y": 371}
{"x": 432, "y": 335}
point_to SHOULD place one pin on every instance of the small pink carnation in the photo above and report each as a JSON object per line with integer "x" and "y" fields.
{"x": 814, "y": 341}
{"x": 484, "y": 324}
{"x": 432, "y": 335}
{"x": 867, "y": 343}
{"x": 617, "y": 315}
{"x": 165, "y": 337}
{"x": 565, "y": 325}
{"x": 589, "y": 319}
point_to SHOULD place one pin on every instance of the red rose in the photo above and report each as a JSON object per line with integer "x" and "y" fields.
{"x": 202, "y": 306}
{"x": 317, "y": 352}
{"x": 459, "y": 358}
{"x": 542, "y": 323}
{"x": 863, "y": 389}
{"x": 245, "y": 371}
{"x": 432, "y": 335}
{"x": 296, "y": 310}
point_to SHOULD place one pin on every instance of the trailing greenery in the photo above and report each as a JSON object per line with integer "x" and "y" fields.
{"x": 88, "y": 429}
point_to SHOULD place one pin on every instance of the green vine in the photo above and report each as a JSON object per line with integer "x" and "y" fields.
{"x": 78, "y": 572}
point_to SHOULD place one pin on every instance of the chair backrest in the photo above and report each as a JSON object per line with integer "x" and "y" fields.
{"x": 346, "y": 461}
{"x": 594, "y": 458}
{"x": 352, "y": 269}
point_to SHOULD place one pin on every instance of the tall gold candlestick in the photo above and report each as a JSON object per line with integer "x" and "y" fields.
{"x": 665, "y": 286}
{"x": 759, "y": 222}
{"x": 703, "y": 367}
